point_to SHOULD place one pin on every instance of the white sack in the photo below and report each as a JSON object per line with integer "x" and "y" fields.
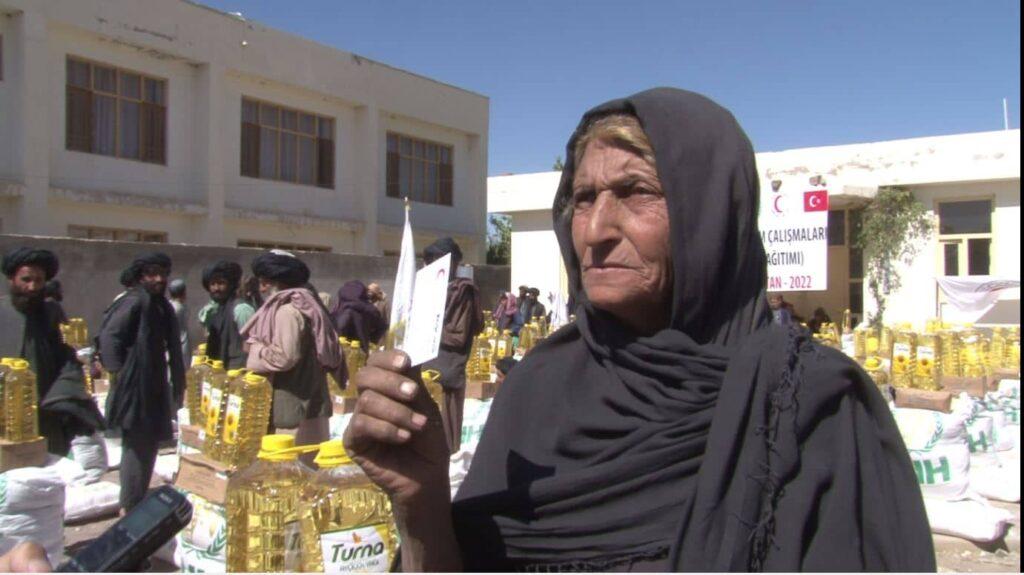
{"x": 91, "y": 501}
{"x": 967, "y": 519}
{"x": 90, "y": 451}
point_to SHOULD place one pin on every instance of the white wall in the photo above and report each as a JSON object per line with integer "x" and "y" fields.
{"x": 536, "y": 259}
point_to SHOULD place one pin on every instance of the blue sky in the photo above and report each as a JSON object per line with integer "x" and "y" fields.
{"x": 795, "y": 74}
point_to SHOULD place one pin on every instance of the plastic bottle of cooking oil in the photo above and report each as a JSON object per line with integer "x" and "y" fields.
{"x": 262, "y": 510}
{"x": 847, "y": 338}
{"x": 213, "y": 426}
{"x": 355, "y": 351}
{"x": 503, "y": 345}
{"x": 194, "y": 388}
{"x": 200, "y": 349}
{"x": 860, "y": 342}
{"x": 471, "y": 362}
{"x": 928, "y": 362}
{"x": 950, "y": 352}
{"x": 1011, "y": 353}
{"x": 902, "y": 359}
{"x": 972, "y": 355}
{"x": 543, "y": 327}
{"x": 885, "y": 341}
{"x": 5, "y": 372}
{"x": 245, "y": 418}
{"x": 20, "y": 401}
{"x": 998, "y": 349}
{"x": 346, "y": 520}
{"x": 874, "y": 368}
{"x": 527, "y": 337}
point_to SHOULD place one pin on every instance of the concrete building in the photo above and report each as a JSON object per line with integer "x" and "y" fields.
{"x": 969, "y": 183}
{"x": 169, "y": 121}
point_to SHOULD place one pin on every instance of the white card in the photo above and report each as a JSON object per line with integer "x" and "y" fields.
{"x": 426, "y": 319}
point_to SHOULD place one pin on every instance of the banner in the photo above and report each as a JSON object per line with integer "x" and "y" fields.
{"x": 794, "y": 229}
{"x": 401, "y": 299}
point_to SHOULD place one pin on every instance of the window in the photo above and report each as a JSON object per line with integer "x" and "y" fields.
{"x": 965, "y": 238}
{"x": 120, "y": 235}
{"x": 263, "y": 245}
{"x": 279, "y": 143}
{"x": 837, "y": 228}
{"x": 115, "y": 112}
{"x": 419, "y": 170}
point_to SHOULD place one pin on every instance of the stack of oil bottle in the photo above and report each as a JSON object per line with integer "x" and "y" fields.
{"x": 903, "y": 357}
{"x": 493, "y": 344}
{"x": 19, "y": 401}
{"x": 232, "y": 410}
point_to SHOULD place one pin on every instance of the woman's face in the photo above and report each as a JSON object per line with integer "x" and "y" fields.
{"x": 620, "y": 231}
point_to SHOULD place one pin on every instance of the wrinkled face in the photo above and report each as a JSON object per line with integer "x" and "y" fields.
{"x": 220, "y": 290}
{"x": 26, "y": 286}
{"x": 268, "y": 288}
{"x": 620, "y": 232}
{"x": 154, "y": 279}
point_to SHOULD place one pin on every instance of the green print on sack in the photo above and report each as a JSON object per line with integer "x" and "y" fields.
{"x": 981, "y": 442}
{"x": 926, "y": 471}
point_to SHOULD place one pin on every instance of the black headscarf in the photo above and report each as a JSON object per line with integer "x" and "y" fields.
{"x": 134, "y": 271}
{"x": 718, "y": 443}
{"x": 439, "y": 248}
{"x": 24, "y": 256}
{"x": 355, "y": 317}
{"x": 225, "y": 270}
{"x": 281, "y": 267}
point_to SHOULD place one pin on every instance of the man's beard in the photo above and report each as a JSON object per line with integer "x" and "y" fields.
{"x": 221, "y": 298}
{"x": 26, "y": 302}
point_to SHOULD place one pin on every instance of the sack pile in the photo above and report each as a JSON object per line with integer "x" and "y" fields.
{"x": 32, "y": 509}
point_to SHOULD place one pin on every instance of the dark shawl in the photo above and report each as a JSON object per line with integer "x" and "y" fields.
{"x": 355, "y": 317}
{"x": 65, "y": 408}
{"x": 719, "y": 443}
{"x": 138, "y": 333}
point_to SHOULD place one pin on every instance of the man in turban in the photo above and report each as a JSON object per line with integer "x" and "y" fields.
{"x": 292, "y": 340}
{"x": 138, "y": 342}
{"x": 30, "y": 329}
{"x": 225, "y": 315}
{"x": 463, "y": 320}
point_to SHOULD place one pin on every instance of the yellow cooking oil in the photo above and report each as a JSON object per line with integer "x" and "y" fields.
{"x": 206, "y": 388}
{"x": 200, "y": 349}
{"x": 527, "y": 337}
{"x": 903, "y": 359}
{"x": 217, "y": 383}
{"x": 471, "y": 362}
{"x": 484, "y": 360}
{"x": 246, "y": 418}
{"x": 432, "y": 382}
{"x": 998, "y": 348}
{"x": 885, "y": 342}
{"x": 1011, "y": 353}
{"x": 346, "y": 520}
{"x": 5, "y": 372}
{"x": 928, "y": 362}
{"x": 950, "y": 352}
{"x": 861, "y": 334}
{"x": 262, "y": 510}
{"x": 504, "y": 345}
{"x": 876, "y": 370}
{"x": 194, "y": 389}
{"x": 972, "y": 359}
{"x": 20, "y": 401}
{"x": 75, "y": 333}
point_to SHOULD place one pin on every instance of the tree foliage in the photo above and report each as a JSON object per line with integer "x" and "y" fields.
{"x": 499, "y": 240}
{"x": 893, "y": 225}
{"x": 559, "y": 165}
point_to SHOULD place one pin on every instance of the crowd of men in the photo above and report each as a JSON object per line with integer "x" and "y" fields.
{"x": 274, "y": 323}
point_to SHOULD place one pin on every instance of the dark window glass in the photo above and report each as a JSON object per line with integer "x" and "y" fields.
{"x": 857, "y": 298}
{"x": 837, "y": 228}
{"x": 856, "y": 263}
{"x": 951, "y": 258}
{"x": 973, "y": 217}
{"x": 978, "y": 256}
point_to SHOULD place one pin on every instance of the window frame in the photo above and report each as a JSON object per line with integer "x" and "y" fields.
{"x": 255, "y": 130}
{"x": 77, "y": 230}
{"x": 962, "y": 241}
{"x": 445, "y": 186}
{"x": 144, "y": 156}
{"x": 271, "y": 245}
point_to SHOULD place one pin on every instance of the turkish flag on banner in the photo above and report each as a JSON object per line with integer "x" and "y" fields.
{"x": 816, "y": 201}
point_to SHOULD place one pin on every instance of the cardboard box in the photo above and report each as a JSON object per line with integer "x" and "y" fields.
{"x": 191, "y": 436}
{"x": 343, "y": 405}
{"x": 923, "y": 399}
{"x": 974, "y": 386}
{"x": 30, "y": 453}
{"x": 205, "y": 477}
{"x": 481, "y": 389}
{"x": 1001, "y": 374}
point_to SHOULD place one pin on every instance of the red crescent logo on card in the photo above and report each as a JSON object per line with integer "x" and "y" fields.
{"x": 775, "y": 205}
{"x": 816, "y": 201}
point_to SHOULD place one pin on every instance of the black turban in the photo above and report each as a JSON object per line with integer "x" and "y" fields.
{"x": 134, "y": 271}
{"x": 281, "y": 267}
{"x": 19, "y": 257}
{"x": 127, "y": 278}
{"x": 228, "y": 271}
{"x": 438, "y": 249}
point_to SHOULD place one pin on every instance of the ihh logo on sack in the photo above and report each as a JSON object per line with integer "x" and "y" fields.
{"x": 363, "y": 549}
{"x": 929, "y": 471}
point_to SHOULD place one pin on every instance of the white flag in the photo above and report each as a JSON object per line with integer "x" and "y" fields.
{"x": 405, "y": 277}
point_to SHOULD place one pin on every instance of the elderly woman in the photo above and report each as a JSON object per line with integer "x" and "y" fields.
{"x": 672, "y": 426}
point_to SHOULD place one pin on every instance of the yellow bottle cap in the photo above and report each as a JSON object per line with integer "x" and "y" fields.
{"x": 6, "y": 361}
{"x": 872, "y": 363}
{"x": 18, "y": 364}
{"x": 354, "y": 344}
{"x": 217, "y": 364}
{"x": 235, "y": 372}
{"x": 332, "y": 454}
{"x": 201, "y": 348}
{"x": 343, "y": 340}
{"x": 251, "y": 377}
{"x": 197, "y": 359}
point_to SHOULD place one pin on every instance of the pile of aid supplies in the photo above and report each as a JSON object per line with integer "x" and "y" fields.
{"x": 954, "y": 391}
